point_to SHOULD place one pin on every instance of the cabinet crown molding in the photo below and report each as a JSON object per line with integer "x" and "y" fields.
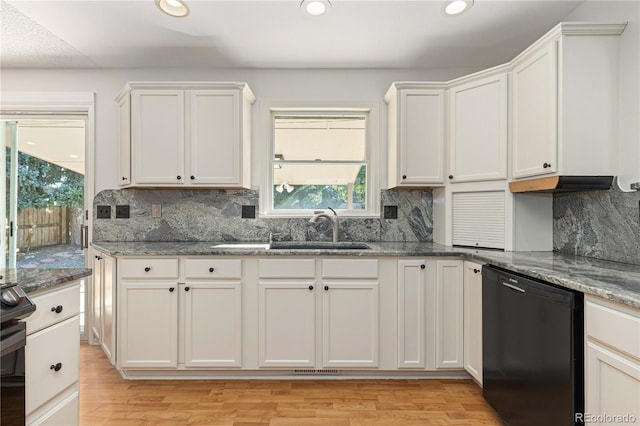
{"x": 187, "y": 85}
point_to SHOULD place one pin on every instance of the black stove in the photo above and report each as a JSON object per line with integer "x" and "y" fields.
{"x": 14, "y": 303}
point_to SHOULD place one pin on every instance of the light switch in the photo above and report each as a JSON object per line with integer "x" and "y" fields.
{"x": 156, "y": 210}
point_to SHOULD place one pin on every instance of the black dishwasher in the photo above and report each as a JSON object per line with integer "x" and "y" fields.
{"x": 532, "y": 349}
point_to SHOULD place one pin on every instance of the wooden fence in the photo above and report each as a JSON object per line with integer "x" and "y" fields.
{"x": 43, "y": 227}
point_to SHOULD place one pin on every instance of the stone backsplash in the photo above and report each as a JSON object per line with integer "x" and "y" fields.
{"x": 599, "y": 224}
{"x": 216, "y": 215}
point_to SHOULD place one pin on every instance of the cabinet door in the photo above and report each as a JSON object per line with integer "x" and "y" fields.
{"x": 612, "y": 385}
{"x": 412, "y": 319}
{"x": 213, "y": 130}
{"x": 287, "y": 336}
{"x": 108, "y": 304}
{"x": 96, "y": 298}
{"x": 213, "y": 324}
{"x": 350, "y": 324}
{"x": 421, "y": 137}
{"x": 478, "y": 130}
{"x": 124, "y": 146}
{"x": 148, "y": 324}
{"x": 157, "y": 136}
{"x": 449, "y": 313}
{"x": 535, "y": 113}
{"x": 52, "y": 360}
{"x": 473, "y": 320}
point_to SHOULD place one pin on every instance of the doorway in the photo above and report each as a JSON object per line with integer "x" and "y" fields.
{"x": 45, "y": 197}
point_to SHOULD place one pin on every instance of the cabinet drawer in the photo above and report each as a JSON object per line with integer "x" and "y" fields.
{"x": 53, "y": 307}
{"x": 350, "y": 268}
{"x": 59, "y": 343}
{"x": 63, "y": 410}
{"x": 287, "y": 268}
{"x": 213, "y": 268}
{"x": 615, "y": 325}
{"x": 149, "y": 268}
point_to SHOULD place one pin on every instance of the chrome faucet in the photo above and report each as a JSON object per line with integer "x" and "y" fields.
{"x": 333, "y": 219}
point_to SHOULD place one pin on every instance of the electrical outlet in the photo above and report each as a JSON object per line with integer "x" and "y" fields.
{"x": 248, "y": 212}
{"x": 390, "y": 212}
{"x": 122, "y": 212}
{"x": 103, "y": 212}
{"x": 156, "y": 210}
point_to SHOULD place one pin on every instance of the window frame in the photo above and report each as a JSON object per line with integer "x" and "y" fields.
{"x": 368, "y": 110}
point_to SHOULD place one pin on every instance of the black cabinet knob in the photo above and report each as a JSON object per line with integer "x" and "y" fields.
{"x": 57, "y": 309}
{"x": 186, "y": 289}
{"x": 124, "y": 178}
{"x": 56, "y": 367}
{"x": 450, "y": 176}
{"x": 211, "y": 269}
{"x": 179, "y": 177}
{"x": 310, "y": 287}
{"x": 147, "y": 269}
{"x": 171, "y": 289}
{"x": 193, "y": 177}
{"x": 476, "y": 270}
{"x": 422, "y": 266}
{"x": 404, "y": 176}
{"x": 546, "y": 165}
{"x": 326, "y": 287}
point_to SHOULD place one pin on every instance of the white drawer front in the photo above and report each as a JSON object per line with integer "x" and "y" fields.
{"x": 149, "y": 268}
{"x": 59, "y": 343}
{"x": 213, "y": 268}
{"x": 64, "y": 410}
{"x": 617, "y": 326}
{"x": 287, "y": 268}
{"x": 350, "y": 268}
{"x": 54, "y": 307}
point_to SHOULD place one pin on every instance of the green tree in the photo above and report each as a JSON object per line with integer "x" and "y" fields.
{"x": 44, "y": 184}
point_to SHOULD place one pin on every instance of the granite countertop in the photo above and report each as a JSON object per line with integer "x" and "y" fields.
{"x": 618, "y": 282}
{"x": 35, "y": 280}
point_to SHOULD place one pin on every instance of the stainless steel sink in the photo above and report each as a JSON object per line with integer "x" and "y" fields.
{"x": 318, "y": 245}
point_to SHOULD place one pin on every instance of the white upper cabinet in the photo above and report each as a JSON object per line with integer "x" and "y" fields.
{"x": 478, "y": 129}
{"x": 415, "y": 134}
{"x": 565, "y": 102}
{"x": 185, "y": 134}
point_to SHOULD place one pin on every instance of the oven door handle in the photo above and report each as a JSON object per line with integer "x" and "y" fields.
{"x": 13, "y": 342}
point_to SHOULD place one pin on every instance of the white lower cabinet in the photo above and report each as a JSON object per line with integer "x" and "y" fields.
{"x": 430, "y": 315}
{"x": 212, "y": 324}
{"x": 296, "y": 302}
{"x": 612, "y": 363}
{"x": 449, "y": 302}
{"x": 148, "y": 318}
{"x": 412, "y": 313}
{"x": 473, "y": 320}
{"x": 287, "y": 335}
{"x": 52, "y": 357}
{"x": 165, "y": 324}
{"x": 350, "y": 324}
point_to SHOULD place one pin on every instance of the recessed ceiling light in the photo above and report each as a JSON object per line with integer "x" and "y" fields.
{"x": 176, "y": 8}
{"x": 315, "y": 7}
{"x": 456, "y": 7}
{"x": 73, "y": 156}
{"x": 31, "y": 143}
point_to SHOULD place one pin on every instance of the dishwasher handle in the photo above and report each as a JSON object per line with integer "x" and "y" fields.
{"x": 513, "y": 287}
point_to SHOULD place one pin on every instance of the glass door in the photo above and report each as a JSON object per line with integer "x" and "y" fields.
{"x": 44, "y": 204}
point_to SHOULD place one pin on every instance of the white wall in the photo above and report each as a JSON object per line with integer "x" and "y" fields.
{"x": 358, "y": 85}
{"x": 629, "y": 93}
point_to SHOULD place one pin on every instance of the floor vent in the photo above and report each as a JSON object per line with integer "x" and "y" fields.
{"x": 317, "y": 372}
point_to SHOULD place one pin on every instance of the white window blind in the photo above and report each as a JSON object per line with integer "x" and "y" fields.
{"x": 479, "y": 219}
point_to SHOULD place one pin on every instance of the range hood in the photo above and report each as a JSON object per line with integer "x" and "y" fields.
{"x": 562, "y": 184}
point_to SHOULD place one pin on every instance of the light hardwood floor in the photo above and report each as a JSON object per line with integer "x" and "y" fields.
{"x": 107, "y": 399}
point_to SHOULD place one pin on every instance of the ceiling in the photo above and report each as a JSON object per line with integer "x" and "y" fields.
{"x": 270, "y": 34}
{"x": 58, "y": 141}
